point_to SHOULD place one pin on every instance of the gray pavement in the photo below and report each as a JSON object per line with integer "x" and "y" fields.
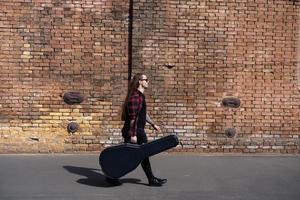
{"x": 190, "y": 176}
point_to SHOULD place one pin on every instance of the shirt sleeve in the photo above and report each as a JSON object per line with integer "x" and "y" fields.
{"x": 133, "y": 106}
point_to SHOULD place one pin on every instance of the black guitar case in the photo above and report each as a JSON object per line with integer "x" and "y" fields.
{"x": 117, "y": 161}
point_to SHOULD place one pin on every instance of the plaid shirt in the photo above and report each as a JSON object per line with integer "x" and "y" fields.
{"x": 135, "y": 104}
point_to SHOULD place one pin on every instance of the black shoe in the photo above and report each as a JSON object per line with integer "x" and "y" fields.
{"x": 162, "y": 181}
{"x": 113, "y": 181}
{"x": 154, "y": 182}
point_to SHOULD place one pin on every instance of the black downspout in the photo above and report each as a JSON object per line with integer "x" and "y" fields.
{"x": 130, "y": 27}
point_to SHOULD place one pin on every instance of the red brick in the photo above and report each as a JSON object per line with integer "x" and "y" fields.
{"x": 218, "y": 49}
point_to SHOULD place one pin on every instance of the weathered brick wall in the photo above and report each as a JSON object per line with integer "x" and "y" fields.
{"x": 52, "y": 47}
{"x": 195, "y": 53}
{"x": 244, "y": 49}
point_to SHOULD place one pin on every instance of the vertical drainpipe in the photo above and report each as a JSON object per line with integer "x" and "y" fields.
{"x": 130, "y": 27}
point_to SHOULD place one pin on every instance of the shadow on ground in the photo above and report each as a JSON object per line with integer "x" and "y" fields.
{"x": 93, "y": 177}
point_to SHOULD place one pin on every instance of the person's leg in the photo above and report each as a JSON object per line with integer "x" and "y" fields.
{"x": 147, "y": 168}
{"x": 153, "y": 181}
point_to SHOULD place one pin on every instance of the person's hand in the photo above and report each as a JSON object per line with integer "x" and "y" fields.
{"x": 157, "y": 128}
{"x": 133, "y": 139}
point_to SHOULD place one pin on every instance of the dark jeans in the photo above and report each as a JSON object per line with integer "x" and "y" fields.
{"x": 141, "y": 139}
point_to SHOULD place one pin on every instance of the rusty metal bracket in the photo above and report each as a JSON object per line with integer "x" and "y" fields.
{"x": 230, "y": 132}
{"x": 73, "y": 98}
{"x": 232, "y": 102}
{"x": 72, "y": 127}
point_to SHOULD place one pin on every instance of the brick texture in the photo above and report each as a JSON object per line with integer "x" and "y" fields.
{"x": 195, "y": 53}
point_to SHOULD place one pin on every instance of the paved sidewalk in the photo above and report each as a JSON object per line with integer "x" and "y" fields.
{"x": 190, "y": 176}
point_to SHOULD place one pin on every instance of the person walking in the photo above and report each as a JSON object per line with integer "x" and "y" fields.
{"x": 135, "y": 117}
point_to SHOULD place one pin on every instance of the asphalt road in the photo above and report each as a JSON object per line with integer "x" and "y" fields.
{"x": 190, "y": 177}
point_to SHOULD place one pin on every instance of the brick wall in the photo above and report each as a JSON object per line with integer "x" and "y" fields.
{"x": 196, "y": 53}
{"x": 49, "y": 48}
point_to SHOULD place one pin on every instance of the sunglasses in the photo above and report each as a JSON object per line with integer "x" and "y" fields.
{"x": 144, "y": 80}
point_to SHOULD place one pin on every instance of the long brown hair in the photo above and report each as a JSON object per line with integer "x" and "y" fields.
{"x": 133, "y": 85}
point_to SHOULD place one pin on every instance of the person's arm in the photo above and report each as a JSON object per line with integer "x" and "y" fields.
{"x": 149, "y": 120}
{"x": 132, "y": 131}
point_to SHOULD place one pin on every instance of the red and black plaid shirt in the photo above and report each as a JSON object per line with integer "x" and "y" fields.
{"x": 135, "y": 104}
